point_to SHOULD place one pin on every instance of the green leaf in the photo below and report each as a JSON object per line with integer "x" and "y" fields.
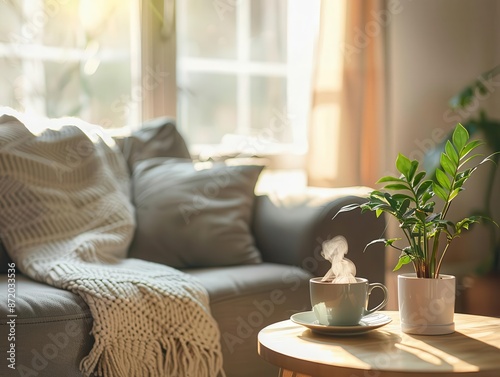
{"x": 403, "y": 259}
{"x": 389, "y": 178}
{"x": 375, "y": 206}
{"x": 451, "y": 152}
{"x": 453, "y": 194}
{"x": 460, "y": 137}
{"x": 401, "y": 197}
{"x": 426, "y": 196}
{"x": 470, "y": 147}
{"x": 432, "y": 217}
{"x": 365, "y": 209}
{"x": 373, "y": 203}
{"x": 440, "y": 192}
{"x": 346, "y": 208}
{"x": 404, "y": 207}
{"x": 429, "y": 207}
{"x": 460, "y": 182}
{"x": 448, "y": 165}
{"x": 377, "y": 194}
{"x": 393, "y": 203}
{"x": 413, "y": 170}
{"x": 396, "y": 186}
{"x": 443, "y": 179}
{"x": 421, "y": 215}
{"x": 423, "y": 188}
{"x": 465, "y": 223}
{"x": 489, "y": 159}
{"x": 469, "y": 159}
{"x": 403, "y": 164}
{"x": 410, "y": 221}
{"x": 376, "y": 199}
{"x": 418, "y": 178}
{"x": 386, "y": 242}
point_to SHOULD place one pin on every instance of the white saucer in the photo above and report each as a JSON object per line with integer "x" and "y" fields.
{"x": 367, "y": 323}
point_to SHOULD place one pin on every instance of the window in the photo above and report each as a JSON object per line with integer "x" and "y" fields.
{"x": 70, "y": 57}
{"x": 240, "y": 70}
{"x": 244, "y": 72}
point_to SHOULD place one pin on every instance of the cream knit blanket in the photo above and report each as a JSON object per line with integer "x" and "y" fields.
{"x": 66, "y": 220}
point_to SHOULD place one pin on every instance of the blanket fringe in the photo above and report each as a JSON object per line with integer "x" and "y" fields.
{"x": 165, "y": 357}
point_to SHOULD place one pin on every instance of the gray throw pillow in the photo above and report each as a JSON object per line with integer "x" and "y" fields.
{"x": 194, "y": 218}
{"x": 158, "y": 137}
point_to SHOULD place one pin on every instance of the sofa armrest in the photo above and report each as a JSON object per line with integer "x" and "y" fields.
{"x": 291, "y": 230}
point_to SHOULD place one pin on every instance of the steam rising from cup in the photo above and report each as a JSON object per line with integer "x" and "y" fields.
{"x": 342, "y": 270}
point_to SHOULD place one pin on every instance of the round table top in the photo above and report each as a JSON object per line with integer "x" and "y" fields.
{"x": 472, "y": 350}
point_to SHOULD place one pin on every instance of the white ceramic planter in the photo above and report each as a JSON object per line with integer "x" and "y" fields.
{"x": 426, "y": 306}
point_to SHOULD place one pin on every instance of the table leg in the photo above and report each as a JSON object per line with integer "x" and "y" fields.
{"x": 289, "y": 373}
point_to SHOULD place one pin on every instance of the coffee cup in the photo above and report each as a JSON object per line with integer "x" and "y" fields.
{"x": 343, "y": 304}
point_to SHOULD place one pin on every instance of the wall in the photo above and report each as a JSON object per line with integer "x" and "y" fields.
{"x": 436, "y": 47}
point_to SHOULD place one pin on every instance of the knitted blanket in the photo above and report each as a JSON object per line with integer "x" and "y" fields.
{"x": 66, "y": 220}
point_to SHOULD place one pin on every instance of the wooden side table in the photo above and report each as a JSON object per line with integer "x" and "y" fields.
{"x": 473, "y": 350}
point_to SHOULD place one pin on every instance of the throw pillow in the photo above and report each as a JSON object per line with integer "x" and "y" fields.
{"x": 194, "y": 218}
{"x": 158, "y": 137}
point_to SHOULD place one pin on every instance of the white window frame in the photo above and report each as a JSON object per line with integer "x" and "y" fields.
{"x": 158, "y": 51}
{"x": 301, "y": 56}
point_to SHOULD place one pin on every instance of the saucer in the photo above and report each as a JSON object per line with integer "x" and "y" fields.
{"x": 367, "y": 323}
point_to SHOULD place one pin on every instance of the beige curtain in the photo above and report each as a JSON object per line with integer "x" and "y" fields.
{"x": 347, "y": 131}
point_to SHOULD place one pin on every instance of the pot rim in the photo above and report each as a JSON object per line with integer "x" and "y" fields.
{"x": 413, "y": 276}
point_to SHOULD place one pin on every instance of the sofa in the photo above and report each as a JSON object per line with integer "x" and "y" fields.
{"x": 285, "y": 236}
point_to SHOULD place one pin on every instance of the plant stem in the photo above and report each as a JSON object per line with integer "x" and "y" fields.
{"x": 426, "y": 247}
{"x": 436, "y": 274}
{"x": 434, "y": 252}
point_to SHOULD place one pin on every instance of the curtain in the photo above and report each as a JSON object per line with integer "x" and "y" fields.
{"x": 347, "y": 129}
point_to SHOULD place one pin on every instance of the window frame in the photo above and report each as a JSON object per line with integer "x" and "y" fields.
{"x": 244, "y": 68}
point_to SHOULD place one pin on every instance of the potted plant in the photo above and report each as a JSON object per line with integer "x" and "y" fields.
{"x": 421, "y": 207}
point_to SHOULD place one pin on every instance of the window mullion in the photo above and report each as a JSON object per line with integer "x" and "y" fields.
{"x": 158, "y": 63}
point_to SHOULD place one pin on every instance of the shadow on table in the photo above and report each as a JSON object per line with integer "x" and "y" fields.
{"x": 471, "y": 351}
{"x": 381, "y": 350}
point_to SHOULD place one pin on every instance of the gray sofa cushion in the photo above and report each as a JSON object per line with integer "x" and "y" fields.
{"x": 51, "y": 329}
{"x": 188, "y": 218}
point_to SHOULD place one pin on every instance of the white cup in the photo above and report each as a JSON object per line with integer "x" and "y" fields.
{"x": 343, "y": 304}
